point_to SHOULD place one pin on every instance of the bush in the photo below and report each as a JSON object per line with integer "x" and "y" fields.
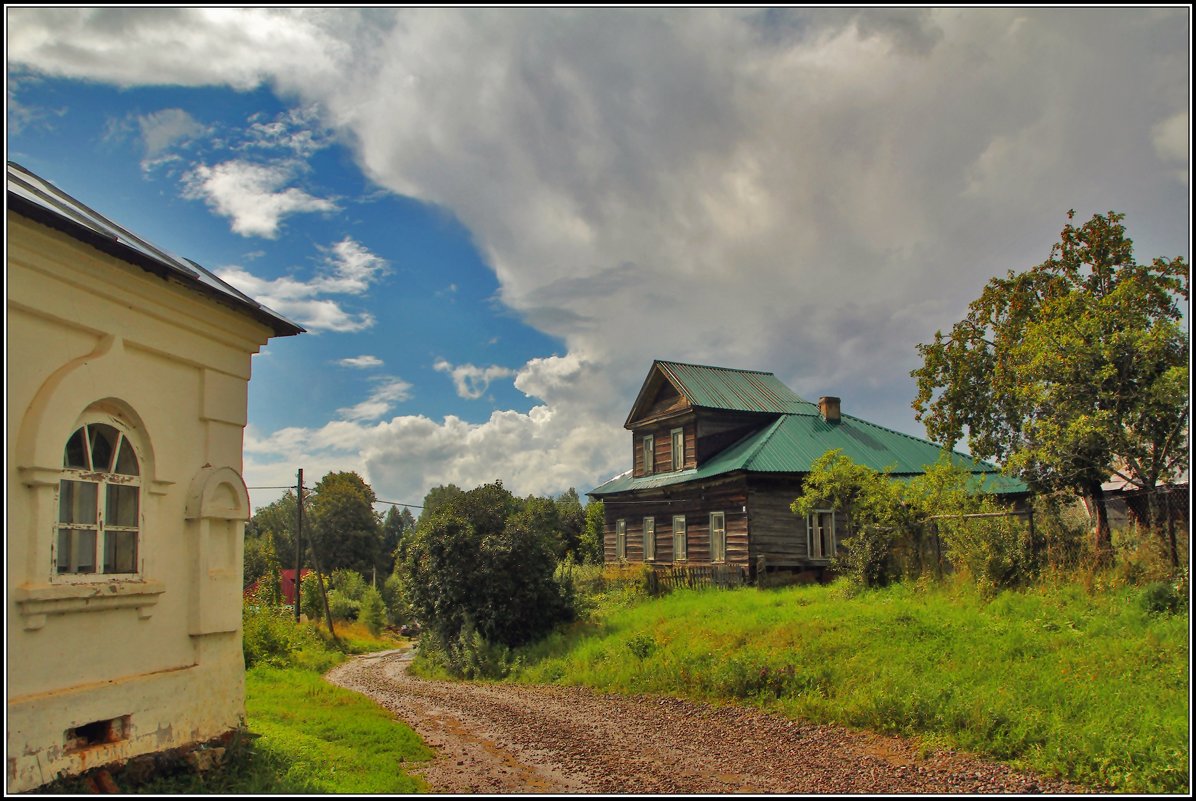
{"x": 373, "y": 611}
{"x": 1161, "y": 597}
{"x": 341, "y": 606}
{"x": 270, "y": 636}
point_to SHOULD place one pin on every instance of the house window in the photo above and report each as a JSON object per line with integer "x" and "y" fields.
{"x": 678, "y": 448}
{"x": 621, "y": 540}
{"x": 718, "y": 537}
{"x": 649, "y": 539}
{"x": 649, "y": 455}
{"x": 679, "y": 538}
{"x": 820, "y": 534}
{"x": 99, "y": 503}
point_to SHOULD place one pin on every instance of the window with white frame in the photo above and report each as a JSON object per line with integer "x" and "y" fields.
{"x": 649, "y": 455}
{"x": 620, "y": 540}
{"x": 718, "y": 537}
{"x": 820, "y": 534}
{"x": 678, "y": 436}
{"x": 679, "y": 552}
{"x": 99, "y": 503}
{"x": 649, "y": 539}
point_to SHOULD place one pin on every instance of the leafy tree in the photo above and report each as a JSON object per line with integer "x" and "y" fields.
{"x": 484, "y": 560}
{"x": 277, "y": 522}
{"x": 589, "y": 550}
{"x": 439, "y": 498}
{"x": 344, "y": 526}
{"x": 394, "y": 526}
{"x": 1071, "y": 371}
{"x": 373, "y": 611}
{"x": 572, "y": 523}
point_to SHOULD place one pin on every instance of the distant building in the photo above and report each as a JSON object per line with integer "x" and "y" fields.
{"x": 128, "y": 372}
{"x": 718, "y": 455}
{"x": 286, "y": 585}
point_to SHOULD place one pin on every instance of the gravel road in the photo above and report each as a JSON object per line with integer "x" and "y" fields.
{"x": 500, "y": 738}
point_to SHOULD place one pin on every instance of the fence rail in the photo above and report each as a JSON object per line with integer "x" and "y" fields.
{"x": 720, "y": 576}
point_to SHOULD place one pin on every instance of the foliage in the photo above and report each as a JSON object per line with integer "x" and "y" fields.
{"x": 270, "y": 636}
{"x": 344, "y": 527}
{"x": 877, "y": 513}
{"x": 373, "y": 611}
{"x": 398, "y": 611}
{"x": 275, "y": 522}
{"x": 1087, "y": 687}
{"x": 394, "y": 526}
{"x": 341, "y": 606}
{"x": 589, "y": 549}
{"x": 1070, "y": 371}
{"x": 311, "y": 602}
{"x": 483, "y": 560}
{"x": 571, "y": 524}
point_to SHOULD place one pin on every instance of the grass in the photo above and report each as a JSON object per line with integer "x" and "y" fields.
{"x": 1092, "y": 688}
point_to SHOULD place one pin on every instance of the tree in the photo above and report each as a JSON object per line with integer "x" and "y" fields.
{"x": 394, "y": 526}
{"x": 344, "y": 526}
{"x": 572, "y": 523}
{"x": 1070, "y": 372}
{"x": 276, "y": 521}
{"x": 589, "y": 550}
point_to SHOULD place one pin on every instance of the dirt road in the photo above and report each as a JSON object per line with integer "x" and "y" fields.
{"x": 498, "y": 738}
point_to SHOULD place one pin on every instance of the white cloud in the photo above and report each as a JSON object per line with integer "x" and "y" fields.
{"x": 471, "y": 381}
{"x": 349, "y": 269}
{"x": 808, "y": 191}
{"x": 1172, "y": 143}
{"x": 363, "y": 362}
{"x": 163, "y": 129}
{"x": 386, "y": 394}
{"x": 251, "y": 195}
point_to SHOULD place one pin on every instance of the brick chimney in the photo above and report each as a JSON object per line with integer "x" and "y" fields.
{"x": 828, "y": 407}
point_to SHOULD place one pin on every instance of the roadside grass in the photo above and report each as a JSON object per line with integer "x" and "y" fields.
{"x": 1092, "y": 688}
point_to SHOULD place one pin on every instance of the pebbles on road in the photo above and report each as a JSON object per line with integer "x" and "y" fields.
{"x": 503, "y": 738}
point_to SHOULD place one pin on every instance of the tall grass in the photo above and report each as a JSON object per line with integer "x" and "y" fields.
{"x": 1093, "y": 688}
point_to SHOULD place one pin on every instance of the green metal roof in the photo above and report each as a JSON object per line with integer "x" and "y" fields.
{"x": 793, "y": 442}
{"x": 735, "y": 390}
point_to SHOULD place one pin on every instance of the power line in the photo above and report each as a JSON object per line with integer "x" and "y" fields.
{"x": 396, "y": 503}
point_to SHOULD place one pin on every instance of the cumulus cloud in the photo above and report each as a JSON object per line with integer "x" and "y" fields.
{"x": 1172, "y": 143}
{"x": 471, "y": 381}
{"x": 807, "y": 191}
{"x": 251, "y": 195}
{"x": 363, "y": 362}
{"x": 349, "y": 268}
{"x": 163, "y": 129}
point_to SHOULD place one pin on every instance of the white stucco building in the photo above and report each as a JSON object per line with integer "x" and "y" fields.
{"x": 127, "y": 373}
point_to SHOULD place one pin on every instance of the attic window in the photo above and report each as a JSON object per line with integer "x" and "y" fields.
{"x": 649, "y": 455}
{"x": 678, "y": 436}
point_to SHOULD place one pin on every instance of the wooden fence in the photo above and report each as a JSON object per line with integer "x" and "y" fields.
{"x": 662, "y": 580}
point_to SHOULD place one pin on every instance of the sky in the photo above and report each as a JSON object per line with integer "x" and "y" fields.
{"x": 492, "y": 221}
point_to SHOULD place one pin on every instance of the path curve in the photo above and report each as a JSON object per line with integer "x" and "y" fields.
{"x": 504, "y": 738}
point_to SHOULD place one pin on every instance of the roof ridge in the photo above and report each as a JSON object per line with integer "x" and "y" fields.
{"x": 714, "y": 367}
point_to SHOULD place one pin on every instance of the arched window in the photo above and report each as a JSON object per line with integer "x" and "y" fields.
{"x": 99, "y": 503}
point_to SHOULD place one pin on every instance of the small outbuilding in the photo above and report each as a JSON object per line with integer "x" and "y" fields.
{"x": 127, "y": 378}
{"x": 718, "y": 455}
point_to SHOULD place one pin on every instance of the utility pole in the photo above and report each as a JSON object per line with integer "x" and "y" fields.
{"x": 298, "y": 539}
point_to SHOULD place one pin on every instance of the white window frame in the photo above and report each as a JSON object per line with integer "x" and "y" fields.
{"x": 95, "y": 515}
{"x": 621, "y": 540}
{"x": 814, "y": 530}
{"x": 649, "y": 539}
{"x": 680, "y": 546}
{"x": 677, "y": 436}
{"x": 648, "y": 446}
{"x": 718, "y": 537}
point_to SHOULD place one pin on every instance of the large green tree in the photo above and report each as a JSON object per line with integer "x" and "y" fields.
{"x": 1071, "y": 371}
{"x": 344, "y": 527}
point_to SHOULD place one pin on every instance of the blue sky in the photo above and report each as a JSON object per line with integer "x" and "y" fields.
{"x": 492, "y": 220}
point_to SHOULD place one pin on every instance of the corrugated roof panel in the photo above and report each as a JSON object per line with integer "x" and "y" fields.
{"x": 39, "y": 192}
{"x": 736, "y": 390}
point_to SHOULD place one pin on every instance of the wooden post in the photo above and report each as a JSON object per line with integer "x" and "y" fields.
{"x": 298, "y": 539}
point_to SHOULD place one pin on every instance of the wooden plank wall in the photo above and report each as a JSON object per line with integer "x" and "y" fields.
{"x": 728, "y": 497}
{"x": 662, "y": 445}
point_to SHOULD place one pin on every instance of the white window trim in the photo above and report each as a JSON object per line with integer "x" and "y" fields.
{"x": 650, "y": 539}
{"x": 648, "y": 447}
{"x": 680, "y": 546}
{"x": 811, "y": 526}
{"x": 678, "y": 455}
{"x": 620, "y": 540}
{"x": 719, "y": 553}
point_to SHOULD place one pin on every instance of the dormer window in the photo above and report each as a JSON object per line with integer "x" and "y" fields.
{"x": 649, "y": 455}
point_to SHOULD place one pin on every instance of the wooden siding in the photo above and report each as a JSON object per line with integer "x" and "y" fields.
{"x": 715, "y": 433}
{"x": 728, "y": 496}
{"x": 662, "y": 447}
{"x": 777, "y": 534}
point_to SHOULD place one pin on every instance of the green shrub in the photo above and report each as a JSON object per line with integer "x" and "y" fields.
{"x": 341, "y": 606}
{"x": 373, "y": 611}
{"x": 1161, "y": 597}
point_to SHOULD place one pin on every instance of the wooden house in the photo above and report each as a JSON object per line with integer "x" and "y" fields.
{"x": 718, "y": 455}
{"x": 127, "y": 384}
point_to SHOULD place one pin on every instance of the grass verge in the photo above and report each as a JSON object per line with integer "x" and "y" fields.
{"x": 1093, "y": 688}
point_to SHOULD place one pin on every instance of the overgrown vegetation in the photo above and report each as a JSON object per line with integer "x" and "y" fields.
{"x": 1087, "y": 684}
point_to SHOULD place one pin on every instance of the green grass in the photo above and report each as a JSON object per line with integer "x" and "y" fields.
{"x": 1088, "y": 687}
{"x": 323, "y": 739}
